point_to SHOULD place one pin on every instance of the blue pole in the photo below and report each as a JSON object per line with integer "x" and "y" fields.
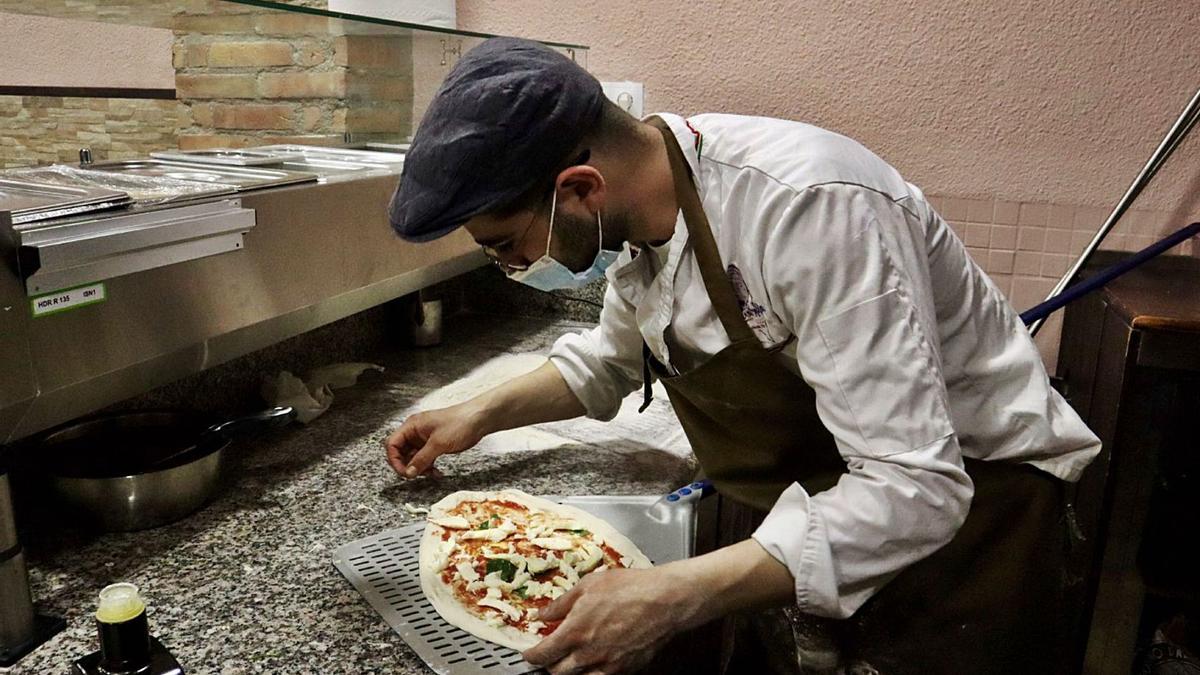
{"x": 1108, "y": 274}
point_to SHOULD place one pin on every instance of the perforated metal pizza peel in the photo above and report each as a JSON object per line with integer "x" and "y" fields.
{"x": 384, "y": 569}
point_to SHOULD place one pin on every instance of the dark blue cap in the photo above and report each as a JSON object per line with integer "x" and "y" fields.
{"x": 507, "y": 115}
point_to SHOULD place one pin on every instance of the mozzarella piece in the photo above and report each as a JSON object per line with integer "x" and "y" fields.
{"x": 494, "y": 534}
{"x": 493, "y": 593}
{"x": 475, "y": 586}
{"x": 511, "y": 612}
{"x": 494, "y": 620}
{"x": 467, "y": 570}
{"x": 563, "y": 583}
{"x": 534, "y": 627}
{"x": 538, "y": 589}
{"x": 494, "y": 580}
{"x": 451, "y": 522}
{"x": 553, "y": 543}
{"x": 569, "y": 571}
{"x": 442, "y": 558}
{"x": 531, "y": 613}
{"x": 539, "y": 565}
{"x": 594, "y": 556}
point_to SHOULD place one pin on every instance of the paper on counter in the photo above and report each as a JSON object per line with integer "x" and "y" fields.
{"x": 312, "y": 397}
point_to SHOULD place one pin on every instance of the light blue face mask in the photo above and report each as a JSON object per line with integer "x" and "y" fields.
{"x": 548, "y": 274}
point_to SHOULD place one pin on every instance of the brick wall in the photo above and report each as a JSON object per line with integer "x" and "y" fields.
{"x": 251, "y": 77}
{"x": 244, "y": 76}
{"x": 45, "y": 129}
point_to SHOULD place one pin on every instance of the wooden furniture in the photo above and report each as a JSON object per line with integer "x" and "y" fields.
{"x": 1130, "y": 365}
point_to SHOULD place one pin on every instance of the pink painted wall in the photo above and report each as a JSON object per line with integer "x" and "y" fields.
{"x": 1026, "y": 119}
{"x": 1039, "y": 100}
{"x": 37, "y": 51}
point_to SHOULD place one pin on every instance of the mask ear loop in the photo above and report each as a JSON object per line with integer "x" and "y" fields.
{"x": 553, "y": 205}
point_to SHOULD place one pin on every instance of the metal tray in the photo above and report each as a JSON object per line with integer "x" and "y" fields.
{"x": 242, "y": 177}
{"x": 331, "y": 171}
{"x": 401, "y": 148}
{"x": 144, "y": 190}
{"x": 384, "y": 569}
{"x": 224, "y": 156}
{"x": 336, "y": 154}
{"x": 26, "y": 201}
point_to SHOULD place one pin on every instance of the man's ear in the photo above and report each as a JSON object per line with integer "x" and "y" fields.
{"x": 583, "y": 183}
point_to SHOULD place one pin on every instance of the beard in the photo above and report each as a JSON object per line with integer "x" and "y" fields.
{"x": 577, "y": 238}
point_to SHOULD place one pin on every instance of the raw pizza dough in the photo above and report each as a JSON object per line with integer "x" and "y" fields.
{"x": 567, "y": 543}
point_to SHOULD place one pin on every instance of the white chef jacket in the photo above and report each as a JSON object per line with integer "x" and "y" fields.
{"x": 915, "y": 356}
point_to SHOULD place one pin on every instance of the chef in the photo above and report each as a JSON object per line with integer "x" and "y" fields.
{"x": 878, "y": 422}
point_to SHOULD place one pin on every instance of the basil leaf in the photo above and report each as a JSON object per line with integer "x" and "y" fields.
{"x": 506, "y": 569}
{"x": 486, "y": 525}
{"x": 520, "y": 592}
{"x": 583, "y": 532}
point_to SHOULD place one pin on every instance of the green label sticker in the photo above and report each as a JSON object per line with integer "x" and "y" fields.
{"x": 70, "y": 298}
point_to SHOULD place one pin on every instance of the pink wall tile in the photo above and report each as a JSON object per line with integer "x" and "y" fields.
{"x": 1031, "y": 238}
{"x": 1061, "y": 215}
{"x": 999, "y": 262}
{"x": 1027, "y": 263}
{"x": 1090, "y": 218}
{"x": 1006, "y": 213}
{"x": 1054, "y": 265}
{"x": 1058, "y": 241}
{"x": 977, "y": 234}
{"x": 1033, "y": 214}
{"x": 980, "y": 210}
{"x": 954, "y": 208}
{"x": 1004, "y": 237}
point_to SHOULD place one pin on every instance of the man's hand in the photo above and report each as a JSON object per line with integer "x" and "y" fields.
{"x": 614, "y": 621}
{"x": 412, "y": 449}
{"x": 532, "y": 398}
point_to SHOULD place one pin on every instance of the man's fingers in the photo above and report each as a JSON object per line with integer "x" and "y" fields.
{"x": 422, "y": 460}
{"x": 571, "y": 665}
{"x": 552, "y": 649}
{"x": 558, "y": 609}
{"x": 402, "y": 445}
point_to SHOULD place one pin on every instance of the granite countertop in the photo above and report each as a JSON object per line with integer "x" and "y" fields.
{"x": 248, "y": 586}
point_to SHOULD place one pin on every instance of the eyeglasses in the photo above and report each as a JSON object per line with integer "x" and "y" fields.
{"x": 494, "y": 252}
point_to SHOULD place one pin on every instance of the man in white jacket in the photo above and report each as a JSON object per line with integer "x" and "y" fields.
{"x": 846, "y": 375}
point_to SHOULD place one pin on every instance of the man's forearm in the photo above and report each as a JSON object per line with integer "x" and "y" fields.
{"x": 731, "y": 579}
{"x": 539, "y": 396}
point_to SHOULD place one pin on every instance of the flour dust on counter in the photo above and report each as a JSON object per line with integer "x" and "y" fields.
{"x": 627, "y": 432}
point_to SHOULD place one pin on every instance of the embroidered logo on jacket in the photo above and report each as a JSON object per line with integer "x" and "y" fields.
{"x": 754, "y": 313}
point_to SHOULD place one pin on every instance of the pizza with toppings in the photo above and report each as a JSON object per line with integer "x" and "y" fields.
{"x": 490, "y": 561}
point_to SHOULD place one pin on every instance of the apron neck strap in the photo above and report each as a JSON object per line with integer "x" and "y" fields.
{"x": 716, "y": 283}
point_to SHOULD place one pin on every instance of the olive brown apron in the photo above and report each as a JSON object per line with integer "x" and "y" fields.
{"x": 987, "y": 602}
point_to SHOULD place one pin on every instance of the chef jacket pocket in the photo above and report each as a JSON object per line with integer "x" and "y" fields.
{"x": 888, "y": 375}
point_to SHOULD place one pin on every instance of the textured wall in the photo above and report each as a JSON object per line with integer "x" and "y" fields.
{"x": 37, "y": 51}
{"x": 47, "y": 129}
{"x": 1043, "y": 100}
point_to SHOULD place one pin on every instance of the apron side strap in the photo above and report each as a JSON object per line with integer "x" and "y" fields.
{"x": 647, "y": 390}
{"x": 700, "y": 236}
